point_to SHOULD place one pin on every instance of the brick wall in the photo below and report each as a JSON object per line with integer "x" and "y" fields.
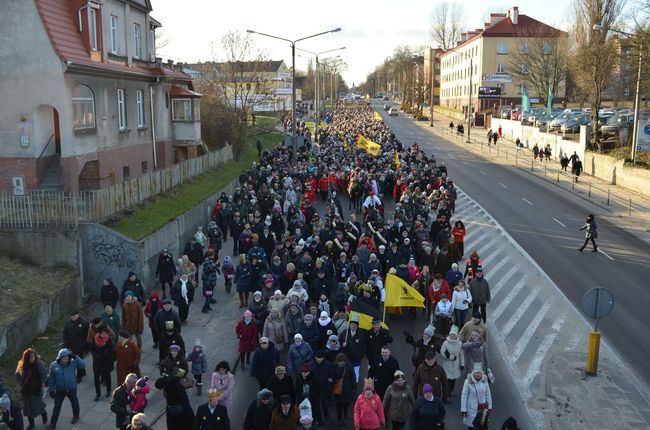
{"x": 10, "y": 167}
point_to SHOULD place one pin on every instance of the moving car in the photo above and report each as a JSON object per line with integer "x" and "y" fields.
{"x": 386, "y": 107}
{"x": 392, "y": 112}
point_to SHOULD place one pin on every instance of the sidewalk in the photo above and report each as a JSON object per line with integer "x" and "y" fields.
{"x": 619, "y": 204}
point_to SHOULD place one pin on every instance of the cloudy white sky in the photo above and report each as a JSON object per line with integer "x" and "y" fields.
{"x": 371, "y": 29}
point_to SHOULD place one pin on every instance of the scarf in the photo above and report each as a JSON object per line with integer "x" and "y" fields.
{"x": 184, "y": 291}
{"x": 101, "y": 339}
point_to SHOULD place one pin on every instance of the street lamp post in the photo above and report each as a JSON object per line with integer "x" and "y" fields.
{"x": 293, "y": 80}
{"x": 635, "y": 130}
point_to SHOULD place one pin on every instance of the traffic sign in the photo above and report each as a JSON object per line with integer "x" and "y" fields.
{"x": 597, "y": 303}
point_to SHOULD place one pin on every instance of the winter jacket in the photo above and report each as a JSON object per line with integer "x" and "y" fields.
{"x": 452, "y": 357}
{"x": 434, "y": 294}
{"x": 426, "y": 415}
{"x": 459, "y": 296}
{"x": 349, "y": 384}
{"x": 258, "y": 415}
{"x": 64, "y": 378}
{"x": 113, "y": 321}
{"x": 177, "y": 293}
{"x": 198, "y": 361}
{"x": 298, "y": 354}
{"x": 293, "y": 322}
{"x": 469, "y": 327}
{"x": 280, "y": 387}
{"x": 151, "y": 308}
{"x": 109, "y": 294}
{"x": 103, "y": 355}
{"x": 453, "y": 277}
{"x": 279, "y": 421}
{"x": 244, "y": 278}
{"x": 75, "y": 336}
{"x": 264, "y": 362}
{"x": 355, "y": 345}
{"x": 132, "y": 318}
{"x": 225, "y": 383}
{"x": 127, "y": 356}
{"x": 474, "y": 394}
{"x": 163, "y": 316}
{"x": 276, "y": 331}
{"x": 119, "y": 402}
{"x": 311, "y": 335}
{"x": 135, "y": 287}
{"x": 376, "y": 340}
{"x": 480, "y": 290}
{"x": 247, "y": 335}
{"x": 383, "y": 371}
{"x": 476, "y": 352}
{"x": 398, "y": 403}
{"x": 369, "y": 413}
{"x": 217, "y": 420}
{"x": 165, "y": 269}
{"x": 434, "y": 376}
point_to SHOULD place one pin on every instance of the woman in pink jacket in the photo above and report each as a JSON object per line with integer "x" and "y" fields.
{"x": 368, "y": 410}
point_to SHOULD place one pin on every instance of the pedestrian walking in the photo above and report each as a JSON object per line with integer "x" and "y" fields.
{"x": 75, "y": 339}
{"x": 264, "y": 362}
{"x": 576, "y": 168}
{"x": 62, "y": 383}
{"x": 343, "y": 387}
{"x": 178, "y": 412}
{"x": 102, "y": 349}
{"x": 382, "y": 370}
{"x": 246, "y": 331}
{"x": 109, "y": 293}
{"x": 199, "y": 365}
{"x": 31, "y": 376}
{"x": 432, "y": 374}
{"x": 286, "y": 416}
{"x": 299, "y": 352}
{"x": 460, "y": 302}
{"x": 368, "y": 409}
{"x": 138, "y": 422}
{"x": 127, "y": 356}
{"x": 224, "y": 382}
{"x": 165, "y": 271}
{"x": 453, "y": 358}
{"x": 135, "y": 285}
{"x": 258, "y": 414}
{"x": 120, "y": 401}
{"x": 428, "y": 412}
{"x": 476, "y": 353}
{"x": 151, "y": 308}
{"x": 475, "y": 398}
{"x": 133, "y": 317}
{"x": 591, "y": 233}
{"x": 211, "y": 415}
{"x": 282, "y": 384}
{"x": 398, "y": 401}
{"x": 480, "y": 291}
{"x": 183, "y": 295}
{"x": 243, "y": 279}
{"x": 275, "y": 329}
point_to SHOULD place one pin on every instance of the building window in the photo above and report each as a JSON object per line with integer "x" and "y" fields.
{"x": 115, "y": 35}
{"x": 523, "y": 69}
{"x": 525, "y": 48}
{"x": 152, "y": 45}
{"x": 501, "y": 68}
{"x": 92, "y": 27}
{"x": 121, "y": 109}
{"x": 145, "y": 166}
{"x": 502, "y": 48}
{"x": 83, "y": 108}
{"x": 503, "y": 87}
{"x": 139, "y": 102}
{"x": 181, "y": 110}
{"x": 547, "y": 48}
{"x": 137, "y": 39}
{"x": 126, "y": 173}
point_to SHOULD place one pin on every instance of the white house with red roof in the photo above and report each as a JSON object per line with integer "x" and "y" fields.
{"x": 86, "y": 103}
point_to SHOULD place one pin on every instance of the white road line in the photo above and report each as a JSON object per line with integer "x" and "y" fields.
{"x": 494, "y": 269}
{"x": 472, "y": 245}
{"x": 558, "y": 221}
{"x": 464, "y": 162}
{"x": 605, "y": 254}
{"x": 483, "y": 172}
{"x": 508, "y": 299}
{"x": 450, "y": 154}
{"x": 524, "y": 199}
{"x": 536, "y": 362}
{"x": 518, "y": 313}
{"x": 484, "y": 248}
{"x": 575, "y": 340}
{"x": 504, "y": 279}
{"x": 530, "y": 330}
{"x": 503, "y": 185}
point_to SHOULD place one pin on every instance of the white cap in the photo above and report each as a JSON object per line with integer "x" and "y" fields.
{"x": 298, "y": 336}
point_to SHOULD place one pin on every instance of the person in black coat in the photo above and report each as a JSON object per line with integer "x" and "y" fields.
{"x": 382, "y": 370}
{"x": 103, "y": 353}
{"x": 195, "y": 253}
{"x": 264, "y": 361}
{"x": 281, "y": 384}
{"x": 109, "y": 293}
{"x": 236, "y": 228}
{"x": 323, "y": 374}
{"x": 120, "y": 401}
{"x": 167, "y": 313}
{"x": 377, "y": 337}
{"x": 179, "y": 412}
{"x": 165, "y": 271}
{"x": 258, "y": 414}
{"x": 211, "y": 415}
{"x": 11, "y": 413}
{"x": 133, "y": 284}
{"x": 75, "y": 335}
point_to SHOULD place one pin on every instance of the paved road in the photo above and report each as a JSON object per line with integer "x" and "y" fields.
{"x": 545, "y": 222}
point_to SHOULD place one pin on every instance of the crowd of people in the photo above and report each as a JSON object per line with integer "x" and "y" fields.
{"x": 300, "y": 275}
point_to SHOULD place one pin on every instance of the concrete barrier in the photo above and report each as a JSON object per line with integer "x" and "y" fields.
{"x": 42, "y": 248}
{"x": 617, "y": 173}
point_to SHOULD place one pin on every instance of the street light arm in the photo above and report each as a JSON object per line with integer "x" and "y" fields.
{"x": 600, "y": 27}
{"x": 270, "y": 35}
{"x": 314, "y": 35}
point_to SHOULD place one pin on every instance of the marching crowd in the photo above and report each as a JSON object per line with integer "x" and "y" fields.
{"x": 311, "y": 288}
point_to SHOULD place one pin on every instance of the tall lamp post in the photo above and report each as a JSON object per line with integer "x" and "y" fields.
{"x": 469, "y": 107}
{"x": 432, "y": 57}
{"x": 293, "y": 80}
{"x": 635, "y": 130}
{"x": 317, "y": 94}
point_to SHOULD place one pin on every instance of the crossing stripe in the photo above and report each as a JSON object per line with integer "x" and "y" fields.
{"x": 494, "y": 269}
{"x": 518, "y": 313}
{"x": 535, "y": 364}
{"x": 504, "y": 279}
{"x": 508, "y": 299}
{"x": 472, "y": 245}
{"x": 483, "y": 249}
{"x": 530, "y": 330}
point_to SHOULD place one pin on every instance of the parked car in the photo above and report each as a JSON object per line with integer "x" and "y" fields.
{"x": 559, "y": 120}
{"x": 392, "y": 112}
{"x": 386, "y": 107}
{"x": 542, "y": 120}
{"x": 572, "y": 125}
{"x": 385, "y": 98}
{"x": 516, "y": 115}
{"x": 615, "y": 123}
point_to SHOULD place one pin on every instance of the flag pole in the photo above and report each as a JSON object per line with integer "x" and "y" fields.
{"x": 383, "y": 318}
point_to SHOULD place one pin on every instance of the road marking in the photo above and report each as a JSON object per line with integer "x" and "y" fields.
{"x": 483, "y": 172}
{"x": 450, "y": 154}
{"x": 503, "y": 185}
{"x": 530, "y": 330}
{"x": 508, "y": 299}
{"x": 472, "y": 245}
{"x": 464, "y": 162}
{"x": 494, "y": 269}
{"x": 540, "y": 354}
{"x": 503, "y": 280}
{"x": 518, "y": 313}
{"x": 557, "y": 221}
{"x": 483, "y": 249}
{"x": 524, "y": 199}
{"x": 605, "y": 254}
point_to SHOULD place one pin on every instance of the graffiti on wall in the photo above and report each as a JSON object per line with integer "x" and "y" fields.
{"x": 110, "y": 253}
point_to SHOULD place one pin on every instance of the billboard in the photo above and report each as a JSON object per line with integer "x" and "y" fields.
{"x": 498, "y": 78}
{"x": 489, "y": 92}
{"x": 643, "y": 136}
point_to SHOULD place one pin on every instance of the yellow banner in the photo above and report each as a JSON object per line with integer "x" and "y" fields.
{"x": 365, "y": 321}
{"x": 377, "y": 116}
{"x": 399, "y": 293}
{"x": 398, "y": 163}
{"x": 361, "y": 142}
{"x": 373, "y": 148}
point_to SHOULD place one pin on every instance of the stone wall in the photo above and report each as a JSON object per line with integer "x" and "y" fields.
{"x": 15, "y": 336}
{"x": 615, "y": 172}
{"x": 42, "y": 248}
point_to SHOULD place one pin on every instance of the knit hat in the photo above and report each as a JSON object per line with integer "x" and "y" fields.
{"x": 430, "y": 355}
{"x": 277, "y": 293}
{"x": 265, "y": 393}
{"x": 167, "y": 302}
{"x": 429, "y": 331}
{"x": 477, "y": 315}
{"x": 427, "y": 389}
{"x": 174, "y": 348}
{"x": 454, "y": 330}
{"x": 475, "y": 333}
{"x": 309, "y": 317}
{"x": 297, "y": 336}
{"x": 142, "y": 382}
{"x": 259, "y": 293}
{"x": 285, "y": 399}
{"x": 248, "y": 314}
{"x": 264, "y": 339}
{"x": 5, "y": 402}
{"x": 125, "y": 334}
{"x": 131, "y": 377}
{"x": 305, "y": 367}
{"x": 319, "y": 354}
{"x": 280, "y": 370}
{"x": 398, "y": 374}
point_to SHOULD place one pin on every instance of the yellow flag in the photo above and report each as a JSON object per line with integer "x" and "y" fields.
{"x": 377, "y": 116}
{"x": 373, "y": 148}
{"x": 398, "y": 163}
{"x": 361, "y": 142}
{"x": 346, "y": 145}
{"x": 399, "y": 293}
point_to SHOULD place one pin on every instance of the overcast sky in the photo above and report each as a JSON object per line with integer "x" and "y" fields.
{"x": 371, "y": 29}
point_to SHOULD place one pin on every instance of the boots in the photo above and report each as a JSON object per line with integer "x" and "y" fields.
{"x": 241, "y": 300}
{"x": 199, "y": 388}
{"x": 228, "y": 288}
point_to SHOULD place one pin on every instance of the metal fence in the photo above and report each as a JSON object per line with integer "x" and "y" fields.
{"x": 40, "y": 210}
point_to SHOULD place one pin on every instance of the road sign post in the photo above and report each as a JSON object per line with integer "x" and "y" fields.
{"x": 596, "y": 303}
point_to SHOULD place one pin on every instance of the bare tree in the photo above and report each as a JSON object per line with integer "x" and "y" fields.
{"x": 594, "y": 52}
{"x": 447, "y": 23}
{"x": 540, "y": 62}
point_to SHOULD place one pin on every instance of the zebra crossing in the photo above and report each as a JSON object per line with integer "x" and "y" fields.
{"x": 529, "y": 319}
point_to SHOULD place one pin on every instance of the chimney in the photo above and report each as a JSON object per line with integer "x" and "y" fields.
{"x": 487, "y": 25}
{"x": 513, "y": 13}
{"x": 496, "y": 17}
{"x": 170, "y": 64}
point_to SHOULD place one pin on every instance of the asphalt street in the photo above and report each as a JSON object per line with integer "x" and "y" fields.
{"x": 544, "y": 221}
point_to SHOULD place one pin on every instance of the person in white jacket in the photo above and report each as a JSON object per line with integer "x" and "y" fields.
{"x": 476, "y": 395}
{"x": 461, "y": 300}
{"x": 299, "y": 290}
{"x": 453, "y": 359}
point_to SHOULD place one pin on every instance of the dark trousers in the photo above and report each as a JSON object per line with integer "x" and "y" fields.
{"x": 342, "y": 410}
{"x": 206, "y": 305}
{"x": 482, "y": 308}
{"x": 320, "y": 409}
{"x": 165, "y": 287}
{"x": 183, "y": 311}
{"x": 451, "y": 383}
{"x": 589, "y": 238}
{"x": 154, "y": 334}
{"x": 396, "y": 425}
{"x": 59, "y": 396}
{"x": 105, "y": 379}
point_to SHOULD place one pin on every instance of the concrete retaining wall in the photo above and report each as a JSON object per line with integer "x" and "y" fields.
{"x": 42, "y": 248}
{"x": 15, "y": 336}
{"x": 614, "y": 171}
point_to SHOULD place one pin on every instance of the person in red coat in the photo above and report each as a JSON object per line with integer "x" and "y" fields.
{"x": 247, "y": 334}
{"x": 438, "y": 287}
{"x": 323, "y": 186}
{"x": 459, "y": 232}
{"x": 153, "y": 305}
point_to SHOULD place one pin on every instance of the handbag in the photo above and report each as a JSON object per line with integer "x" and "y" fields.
{"x": 187, "y": 381}
{"x": 482, "y": 419}
{"x": 337, "y": 387}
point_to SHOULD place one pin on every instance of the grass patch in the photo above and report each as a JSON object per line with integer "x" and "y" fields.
{"x": 22, "y": 286}
{"x": 624, "y": 153}
{"x": 146, "y": 218}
